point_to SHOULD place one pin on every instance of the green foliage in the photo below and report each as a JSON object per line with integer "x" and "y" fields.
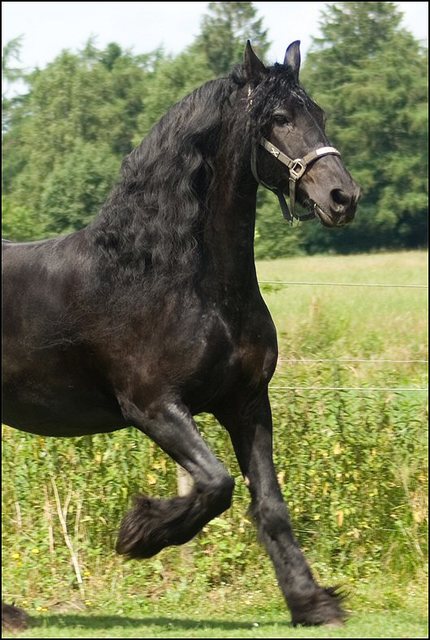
{"x": 274, "y": 237}
{"x": 86, "y": 176}
{"x": 12, "y": 52}
{"x": 18, "y": 223}
{"x": 11, "y": 76}
{"x": 224, "y": 32}
{"x": 85, "y": 111}
{"x": 218, "y": 47}
{"x": 353, "y": 32}
{"x": 81, "y": 105}
{"x": 172, "y": 79}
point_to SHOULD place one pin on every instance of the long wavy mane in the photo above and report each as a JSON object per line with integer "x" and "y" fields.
{"x": 150, "y": 221}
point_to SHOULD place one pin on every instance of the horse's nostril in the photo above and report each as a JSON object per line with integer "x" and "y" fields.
{"x": 340, "y": 197}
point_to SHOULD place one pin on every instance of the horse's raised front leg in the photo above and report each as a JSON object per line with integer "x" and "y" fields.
{"x": 251, "y": 434}
{"x": 153, "y": 524}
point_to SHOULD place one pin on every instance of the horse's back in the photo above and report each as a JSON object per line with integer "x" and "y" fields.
{"x": 32, "y": 274}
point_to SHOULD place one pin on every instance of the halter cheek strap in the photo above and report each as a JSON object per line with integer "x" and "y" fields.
{"x": 296, "y": 169}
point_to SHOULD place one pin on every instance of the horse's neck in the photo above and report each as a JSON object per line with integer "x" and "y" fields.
{"x": 229, "y": 229}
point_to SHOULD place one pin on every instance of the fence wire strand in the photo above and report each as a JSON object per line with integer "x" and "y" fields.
{"x": 346, "y": 360}
{"x": 365, "y": 389}
{"x": 347, "y": 284}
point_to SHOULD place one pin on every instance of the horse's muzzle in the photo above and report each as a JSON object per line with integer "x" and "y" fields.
{"x": 341, "y": 209}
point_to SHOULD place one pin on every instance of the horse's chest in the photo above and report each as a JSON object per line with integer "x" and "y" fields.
{"x": 234, "y": 357}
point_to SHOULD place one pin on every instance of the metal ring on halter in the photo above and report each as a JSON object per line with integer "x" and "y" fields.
{"x": 296, "y": 169}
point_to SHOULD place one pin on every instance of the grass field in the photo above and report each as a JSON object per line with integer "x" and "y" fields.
{"x": 363, "y": 321}
{"x": 230, "y": 613}
{"x": 381, "y": 625}
{"x": 350, "y": 448}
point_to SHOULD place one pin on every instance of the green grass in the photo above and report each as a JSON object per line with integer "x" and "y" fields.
{"x": 231, "y": 613}
{"x": 352, "y": 466}
{"x": 395, "y": 625}
{"x": 374, "y": 321}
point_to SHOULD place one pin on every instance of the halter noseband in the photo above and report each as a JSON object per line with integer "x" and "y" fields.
{"x": 296, "y": 170}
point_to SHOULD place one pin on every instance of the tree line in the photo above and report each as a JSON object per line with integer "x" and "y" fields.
{"x": 65, "y": 135}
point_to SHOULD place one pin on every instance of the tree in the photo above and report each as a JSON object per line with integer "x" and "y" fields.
{"x": 274, "y": 237}
{"x": 224, "y": 32}
{"x": 352, "y": 33}
{"x": 76, "y": 188}
{"x": 218, "y": 47}
{"x": 81, "y": 106}
{"x": 370, "y": 76}
{"x": 18, "y": 222}
{"x": 12, "y": 52}
{"x": 11, "y": 75}
{"x": 171, "y": 80}
{"x": 93, "y": 106}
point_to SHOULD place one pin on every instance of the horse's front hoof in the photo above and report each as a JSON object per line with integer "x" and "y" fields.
{"x": 335, "y": 623}
{"x": 139, "y": 535}
{"x": 322, "y": 608}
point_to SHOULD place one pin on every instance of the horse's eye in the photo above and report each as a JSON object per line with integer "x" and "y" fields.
{"x": 281, "y": 119}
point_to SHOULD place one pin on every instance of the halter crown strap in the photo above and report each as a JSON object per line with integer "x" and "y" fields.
{"x": 296, "y": 169}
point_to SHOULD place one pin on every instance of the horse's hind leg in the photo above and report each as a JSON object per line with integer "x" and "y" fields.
{"x": 13, "y": 619}
{"x": 153, "y": 524}
{"x": 251, "y": 434}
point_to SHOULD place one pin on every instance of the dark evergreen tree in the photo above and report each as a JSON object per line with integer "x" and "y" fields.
{"x": 370, "y": 75}
{"x": 224, "y": 32}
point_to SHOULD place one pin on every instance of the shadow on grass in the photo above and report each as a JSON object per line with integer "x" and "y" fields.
{"x": 106, "y": 622}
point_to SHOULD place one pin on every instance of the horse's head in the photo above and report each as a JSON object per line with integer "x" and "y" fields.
{"x": 291, "y": 153}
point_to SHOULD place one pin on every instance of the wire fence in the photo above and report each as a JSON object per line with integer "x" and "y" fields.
{"x": 346, "y": 284}
{"x": 361, "y": 389}
{"x": 348, "y": 360}
{"x": 345, "y": 360}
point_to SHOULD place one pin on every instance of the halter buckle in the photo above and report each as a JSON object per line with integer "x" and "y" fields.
{"x": 274, "y": 151}
{"x": 297, "y": 169}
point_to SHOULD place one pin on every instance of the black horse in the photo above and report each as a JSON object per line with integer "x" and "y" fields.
{"x": 152, "y": 313}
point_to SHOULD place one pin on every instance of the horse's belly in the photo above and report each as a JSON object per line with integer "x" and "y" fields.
{"x": 59, "y": 412}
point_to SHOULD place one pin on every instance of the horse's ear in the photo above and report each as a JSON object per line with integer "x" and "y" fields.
{"x": 254, "y": 68}
{"x": 292, "y": 58}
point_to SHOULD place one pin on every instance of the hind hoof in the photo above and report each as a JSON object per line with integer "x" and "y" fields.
{"x": 14, "y": 618}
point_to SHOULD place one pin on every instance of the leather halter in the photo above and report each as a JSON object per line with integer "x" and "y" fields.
{"x": 296, "y": 169}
